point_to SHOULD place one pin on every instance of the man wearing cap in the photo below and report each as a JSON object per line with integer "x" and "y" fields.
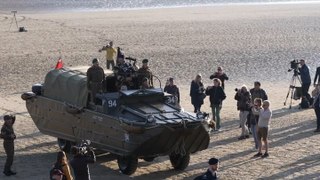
{"x": 145, "y": 72}
{"x": 211, "y": 173}
{"x": 220, "y": 75}
{"x": 172, "y": 89}
{"x": 110, "y": 54}
{"x": 305, "y": 79}
{"x": 95, "y": 78}
{"x": 8, "y": 136}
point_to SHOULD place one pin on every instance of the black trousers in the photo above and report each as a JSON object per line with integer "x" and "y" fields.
{"x": 317, "y": 111}
{"x": 110, "y": 63}
{"x": 9, "y": 149}
{"x": 305, "y": 89}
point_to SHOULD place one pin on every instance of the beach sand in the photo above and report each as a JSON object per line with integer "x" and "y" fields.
{"x": 251, "y": 43}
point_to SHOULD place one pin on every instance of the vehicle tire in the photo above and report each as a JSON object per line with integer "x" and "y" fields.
{"x": 127, "y": 164}
{"x": 179, "y": 162}
{"x": 64, "y": 145}
{"x": 148, "y": 159}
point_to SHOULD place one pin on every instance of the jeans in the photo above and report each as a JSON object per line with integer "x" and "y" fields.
{"x": 216, "y": 114}
{"x": 243, "y": 119}
{"x": 317, "y": 111}
{"x": 255, "y": 135}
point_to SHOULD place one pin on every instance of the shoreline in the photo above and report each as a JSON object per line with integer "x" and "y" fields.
{"x": 92, "y": 10}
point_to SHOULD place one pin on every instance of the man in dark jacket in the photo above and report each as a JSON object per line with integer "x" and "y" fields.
{"x": 8, "y": 136}
{"x": 217, "y": 95}
{"x": 317, "y": 76}
{"x": 305, "y": 79}
{"x": 80, "y": 162}
{"x": 95, "y": 78}
{"x": 211, "y": 173}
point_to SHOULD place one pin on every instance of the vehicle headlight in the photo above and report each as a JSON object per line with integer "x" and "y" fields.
{"x": 150, "y": 118}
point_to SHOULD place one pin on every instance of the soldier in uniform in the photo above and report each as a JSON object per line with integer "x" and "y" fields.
{"x": 145, "y": 72}
{"x": 95, "y": 78}
{"x": 8, "y": 136}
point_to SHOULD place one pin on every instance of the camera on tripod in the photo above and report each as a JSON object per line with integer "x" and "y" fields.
{"x": 294, "y": 65}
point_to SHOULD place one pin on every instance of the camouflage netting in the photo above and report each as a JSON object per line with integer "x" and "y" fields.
{"x": 67, "y": 86}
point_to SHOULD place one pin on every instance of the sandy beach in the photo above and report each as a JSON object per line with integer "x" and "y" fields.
{"x": 251, "y": 42}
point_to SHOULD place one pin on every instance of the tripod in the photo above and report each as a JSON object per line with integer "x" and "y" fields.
{"x": 292, "y": 86}
{"x": 14, "y": 18}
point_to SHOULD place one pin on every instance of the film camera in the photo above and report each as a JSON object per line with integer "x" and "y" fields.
{"x": 83, "y": 148}
{"x": 294, "y": 65}
{"x": 131, "y": 59}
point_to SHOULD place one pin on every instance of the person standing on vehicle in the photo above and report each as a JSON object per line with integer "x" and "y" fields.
{"x": 217, "y": 95}
{"x": 172, "y": 89}
{"x": 8, "y": 136}
{"x": 95, "y": 78}
{"x": 110, "y": 54}
{"x": 80, "y": 162}
{"x": 145, "y": 72}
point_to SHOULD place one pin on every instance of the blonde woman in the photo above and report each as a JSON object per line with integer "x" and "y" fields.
{"x": 63, "y": 166}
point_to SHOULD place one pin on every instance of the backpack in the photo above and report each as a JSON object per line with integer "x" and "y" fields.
{"x": 56, "y": 172}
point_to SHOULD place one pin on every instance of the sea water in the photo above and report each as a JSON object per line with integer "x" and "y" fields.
{"x": 104, "y": 5}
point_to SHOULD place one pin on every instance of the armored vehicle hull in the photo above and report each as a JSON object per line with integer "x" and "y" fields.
{"x": 131, "y": 124}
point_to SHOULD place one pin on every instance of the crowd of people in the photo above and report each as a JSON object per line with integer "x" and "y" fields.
{"x": 253, "y": 106}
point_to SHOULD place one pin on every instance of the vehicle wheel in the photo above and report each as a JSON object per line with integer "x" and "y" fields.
{"x": 64, "y": 145}
{"x": 179, "y": 162}
{"x": 148, "y": 159}
{"x": 127, "y": 165}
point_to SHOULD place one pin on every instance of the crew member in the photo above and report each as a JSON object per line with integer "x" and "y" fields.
{"x": 80, "y": 162}
{"x": 145, "y": 84}
{"x": 305, "y": 79}
{"x": 110, "y": 54}
{"x": 125, "y": 73}
{"x": 145, "y": 72}
{"x": 8, "y": 136}
{"x": 95, "y": 78}
{"x": 220, "y": 75}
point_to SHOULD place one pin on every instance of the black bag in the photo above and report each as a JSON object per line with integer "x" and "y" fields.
{"x": 305, "y": 104}
{"x": 57, "y": 171}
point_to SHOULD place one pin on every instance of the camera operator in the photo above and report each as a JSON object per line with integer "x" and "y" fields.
{"x": 243, "y": 97}
{"x": 8, "y": 136}
{"x": 305, "y": 79}
{"x": 82, "y": 157}
{"x": 126, "y": 71}
{"x": 220, "y": 75}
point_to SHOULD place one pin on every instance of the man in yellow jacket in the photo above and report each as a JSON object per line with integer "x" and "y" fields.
{"x": 110, "y": 54}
